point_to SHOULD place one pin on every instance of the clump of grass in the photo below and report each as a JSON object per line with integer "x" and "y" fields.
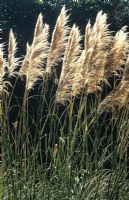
{"x": 62, "y": 142}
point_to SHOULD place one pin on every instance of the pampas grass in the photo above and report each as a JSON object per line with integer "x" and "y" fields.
{"x": 70, "y": 151}
{"x": 36, "y": 54}
{"x": 93, "y": 57}
{"x": 69, "y": 66}
{"x": 1, "y": 66}
{"x": 13, "y": 62}
{"x": 58, "y": 41}
{"x": 118, "y": 97}
{"x": 118, "y": 54}
{"x": 103, "y": 55}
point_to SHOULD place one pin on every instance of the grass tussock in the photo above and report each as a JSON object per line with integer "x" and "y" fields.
{"x": 63, "y": 135}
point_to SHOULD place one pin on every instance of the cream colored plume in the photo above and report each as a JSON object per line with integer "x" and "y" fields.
{"x": 34, "y": 62}
{"x": 1, "y": 66}
{"x": 13, "y": 62}
{"x": 69, "y": 66}
{"x": 25, "y": 63}
{"x": 119, "y": 97}
{"x": 59, "y": 40}
{"x": 93, "y": 58}
{"x": 117, "y": 56}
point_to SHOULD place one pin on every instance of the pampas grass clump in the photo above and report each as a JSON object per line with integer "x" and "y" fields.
{"x": 62, "y": 136}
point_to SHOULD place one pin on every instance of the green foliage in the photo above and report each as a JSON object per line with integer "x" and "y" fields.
{"x": 74, "y": 172}
{"x": 21, "y": 14}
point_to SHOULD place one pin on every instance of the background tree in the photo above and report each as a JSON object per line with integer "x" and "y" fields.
{"x": 21, "y": 15}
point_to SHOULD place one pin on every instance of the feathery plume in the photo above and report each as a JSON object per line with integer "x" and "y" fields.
{"x": 110, "y": 103}
{"x": 36, "y": 54}
{"x": 80, "y": 77}
{"x": 69, "y": 66}
{"x": 1, "y": 61}
{"x": 126, "y": 71}
{"x": 59, "y": 40}
{"x": 119, "y": 97}
{"x": 87, "y": 36}
{"x": 103, "y": 39}
{"x": 1, "y": 66}
{"x": 117, "y": 56}
{"x": 93, "y": 58}
{"x": 13, "y": 62}
{"x": 25, "y": 63}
